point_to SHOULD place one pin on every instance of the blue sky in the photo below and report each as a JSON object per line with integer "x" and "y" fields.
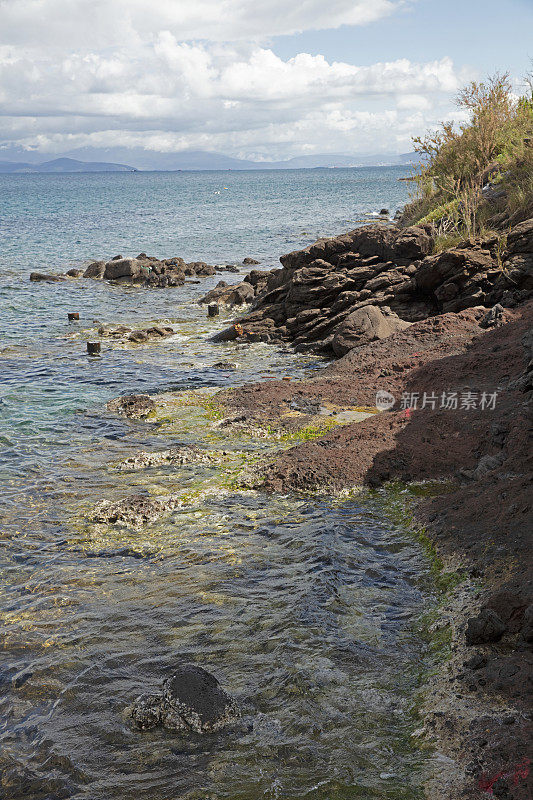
{"x": 482, "y": 35}
{"x": 261, "y": 81}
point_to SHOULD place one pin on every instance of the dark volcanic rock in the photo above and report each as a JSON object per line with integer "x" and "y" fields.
{"x": 365, "y": 325}
{"x": 486, "y": 627}
{"x": 41, "y": 276}
{"x": 95, "y": 270}
{"x": 132, "y": 405}
{"x": 148, "y": 270}
{"x": 146, "y": 712}
{"x": 236, "y": 295}
{"x": 381, "y": 266}
{"x": 122, "y": 268}
{"x": 199, "y": 268}
{"x": 192, "y": 701}
{"x": 520, "y": 239}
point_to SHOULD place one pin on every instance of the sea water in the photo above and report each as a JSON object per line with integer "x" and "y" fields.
{"x": 304, "y": 607}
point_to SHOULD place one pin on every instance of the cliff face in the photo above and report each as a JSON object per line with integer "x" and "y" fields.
{"x": 343, "y": 292}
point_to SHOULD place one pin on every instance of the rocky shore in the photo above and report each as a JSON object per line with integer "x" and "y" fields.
{"x": 441, "y": 345}
{"x": 447, "y": 340}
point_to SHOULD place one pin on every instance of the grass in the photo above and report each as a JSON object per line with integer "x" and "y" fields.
{"x": 307, "y": 433}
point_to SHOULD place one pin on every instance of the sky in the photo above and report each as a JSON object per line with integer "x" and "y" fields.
{"x": 262, "y": 81}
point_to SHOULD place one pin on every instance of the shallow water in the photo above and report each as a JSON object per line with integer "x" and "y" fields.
{"x": 305, "y": 608}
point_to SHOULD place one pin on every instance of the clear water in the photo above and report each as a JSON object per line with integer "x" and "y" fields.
{"x": 304, "y": 608}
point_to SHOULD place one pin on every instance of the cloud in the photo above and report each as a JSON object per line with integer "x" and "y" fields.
{"x": 161, "y": 90}
{"x": 125, "y": 23}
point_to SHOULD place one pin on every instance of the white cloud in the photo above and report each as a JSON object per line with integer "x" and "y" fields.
{"x": 149, "y": 83}
{"x": 125, "y": 23}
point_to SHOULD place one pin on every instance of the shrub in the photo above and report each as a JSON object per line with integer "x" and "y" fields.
{"x": 495, "y": 145}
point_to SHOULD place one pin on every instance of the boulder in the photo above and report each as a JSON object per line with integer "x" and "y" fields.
{"x": 95, "y": 270}
{"x": 192, "y": 701}
{"x": 486, "y": 627}
{"x": 235, "y": 295}
{"x": 135, "y": 406}
{"x": 493, "y": 318}
{"x": 365, "y": 325}
{"x": 74, "y": 273}
{"x": 123, "y": 268}
{"x": 249, "y": 260}
{"x": 241, "y": 294}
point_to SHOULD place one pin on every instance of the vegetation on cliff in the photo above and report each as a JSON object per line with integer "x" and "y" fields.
{"x": 477, "y": 178}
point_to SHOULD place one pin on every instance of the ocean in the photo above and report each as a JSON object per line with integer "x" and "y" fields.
{"x": 306, "y": 608}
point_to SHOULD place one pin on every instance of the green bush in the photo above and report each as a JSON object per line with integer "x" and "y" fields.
{"x": 456, "y": 162}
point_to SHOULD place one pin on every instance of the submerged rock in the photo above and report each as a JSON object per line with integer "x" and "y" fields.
{"x": 138, "y": 509}
{"x": 177, "y": 456}
{"x": 229, "y": 365}
{"x": 192, "y": 701}
{"x": 135, "y": 406}
{"x": 127, "y": 334}
{"x": 42, "y": 276}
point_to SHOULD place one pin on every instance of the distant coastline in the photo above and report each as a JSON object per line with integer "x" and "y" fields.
{"x": 195, "y": 161}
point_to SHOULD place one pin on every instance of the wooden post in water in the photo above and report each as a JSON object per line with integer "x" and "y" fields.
{"x": 93, "y": 348}
{"x": 72, "y": 315}
{"x": 213, "y": 310}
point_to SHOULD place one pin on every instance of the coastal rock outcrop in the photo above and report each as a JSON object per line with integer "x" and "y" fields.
{"x": 176, "y": 456}
{"x": 95, "y": 270}
{"x": 312, "y": 300}
{"x": 144, "y": 270}
{"x": 192, "y": 701}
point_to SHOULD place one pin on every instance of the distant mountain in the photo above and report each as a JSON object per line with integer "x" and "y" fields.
{"x": 64, "y": 165}
{"x": 204, "y": 160}
{"x": 110, "y": 161}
